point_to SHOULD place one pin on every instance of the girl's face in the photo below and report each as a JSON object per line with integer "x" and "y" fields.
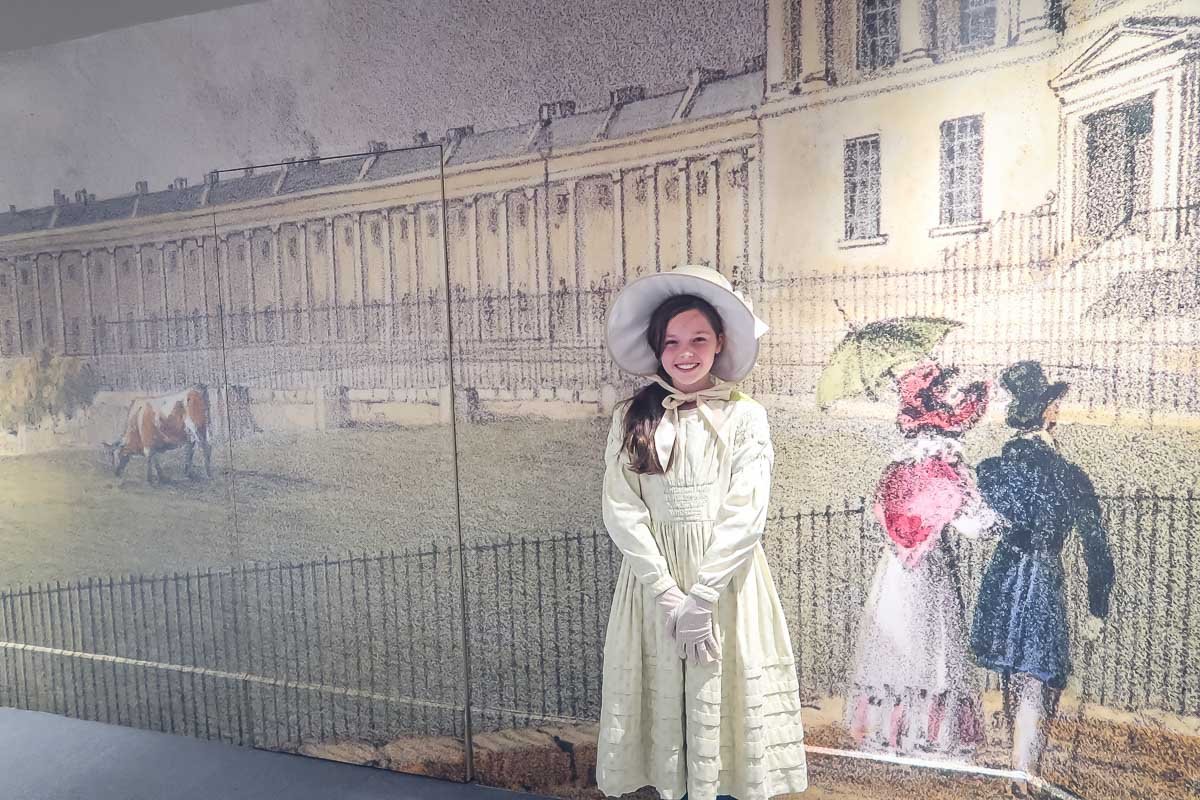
{"x": 689, "y": 349}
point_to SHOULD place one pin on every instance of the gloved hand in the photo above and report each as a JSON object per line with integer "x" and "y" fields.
{"x": 1092, "y": 628}
{"x": 668, "y": 603}
{"x": 693, "y": 632}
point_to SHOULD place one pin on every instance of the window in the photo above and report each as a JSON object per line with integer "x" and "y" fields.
{"x": 125, "y": 267}
{"x": 861, "y": 175}
{"x": 265, "y": 249}
{"x": 522, "y": 215}
{"x": 431, "y": 223}
{"x": 29, "y": 331}
{"x": 24, "y": 276}
{"x": 604, "y": 195}
{"x": 376, "y": 234}
{"x": 348, "y": 235}
{"x": 962, "y": 170}
{"x": 976, "y": 23}
{"x": 1119, "y": 154}
{"x": 172, "y": 261}
{"x": 75, "y": 337}
{"x": 3, "y": 281}
{"x": 640, "y": 190}
{"x": 292, "y": 247}
{"x": 403, "y": 228}
{"x": 241, "y": 252}
{"x": 878, "y": 35}
{"x": 493, "y": 220}
{"x": 8, "y": 336}
{"x": 72, "y": 272}
{"x": 562, "y": 203}
{"x": 319, "y": 238}
{"x": 701, "y": 183}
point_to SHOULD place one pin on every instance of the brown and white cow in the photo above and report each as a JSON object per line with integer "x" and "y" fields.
{"x": 155, "y": 424}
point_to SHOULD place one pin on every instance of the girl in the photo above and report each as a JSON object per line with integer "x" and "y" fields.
{"x": 909, "y": 680}
{"x": 700, "y": 695}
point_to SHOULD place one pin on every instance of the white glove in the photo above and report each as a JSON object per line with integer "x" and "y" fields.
{"x": 668, "y": 603}
{"x": 693, "y": 631}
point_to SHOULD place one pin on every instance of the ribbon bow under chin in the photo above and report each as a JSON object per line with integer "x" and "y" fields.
{"x": 668, "y": 426}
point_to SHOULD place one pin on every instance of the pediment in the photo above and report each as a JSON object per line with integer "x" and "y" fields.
{"x": 1130, "y": 42}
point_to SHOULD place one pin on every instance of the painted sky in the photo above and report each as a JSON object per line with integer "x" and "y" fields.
{"x": 260, "y": 82}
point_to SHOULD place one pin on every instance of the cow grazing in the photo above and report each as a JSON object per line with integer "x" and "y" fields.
{"x": 155, "y": 424}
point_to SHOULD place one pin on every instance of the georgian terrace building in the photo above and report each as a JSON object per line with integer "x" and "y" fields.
{"x": 1017, "y": 167}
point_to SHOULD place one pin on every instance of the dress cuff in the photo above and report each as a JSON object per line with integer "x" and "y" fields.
{"x": 661, "y": 584}
{"x": 703, "y": 592}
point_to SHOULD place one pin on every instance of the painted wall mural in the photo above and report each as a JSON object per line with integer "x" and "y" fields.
{"x": 307, "y": 455}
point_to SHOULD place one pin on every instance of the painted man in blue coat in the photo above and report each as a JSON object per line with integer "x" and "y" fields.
{"x": 1020, "y": 626}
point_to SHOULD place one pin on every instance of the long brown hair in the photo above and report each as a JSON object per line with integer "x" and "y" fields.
{"x": 645, "y": 408}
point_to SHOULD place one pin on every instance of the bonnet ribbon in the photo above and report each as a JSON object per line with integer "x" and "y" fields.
{"x": 668, "y": 426}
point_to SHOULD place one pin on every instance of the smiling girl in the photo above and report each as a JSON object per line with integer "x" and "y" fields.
{"x": 700, "y": 696}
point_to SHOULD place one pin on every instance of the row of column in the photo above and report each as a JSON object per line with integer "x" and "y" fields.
{"x": 800, "y": 33}
{"x": 194, "y": 289}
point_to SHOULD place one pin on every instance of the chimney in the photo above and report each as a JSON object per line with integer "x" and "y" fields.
{"x": 12, "y": 209}
{"x": 214, "y": 177}
{"x": 248, "y": 171}
{"x": 700, "y": 76}
{"x": 755, "y": 63}
{"x": 60, "y": 199}
{"x": 626, "y": 94}
{"x": 456, "y": 135}
{"x": 91, "y": 197}
{"x": 421, "y": 138}
{"x": 81, "y": 196}
{"x": 180, "y": 183}
{"x": 556, "y": 110}
{"x": 141, "y": 187}
{"x": 376, "y": 147}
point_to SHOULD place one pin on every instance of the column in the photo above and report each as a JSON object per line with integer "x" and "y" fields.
{"x": 416, "y": 284}
{"x": 360, "y": 266}
{"x": 17, "y": 306}
{"x": 917, "y": 22}
{"x": 714, "y": 209}
{"x": 574, "y": 268}
{"x": 531, "y": 235}
{"x": 89, "y": 311}
{"x": 685, "y": 208}
{"x": 755, "y": 265}
{"x": 657, "y": 217}
{"x": 474, "y": 277}
{"x": 504, "y": 297}
{"x": 331, "y": 261}
{"x": 58, "y": 295}
{"x": 389, "y": 276}
{"x": 277, "y": 246}
{"x": 306, "y": 276}
{"x": 116, "y": 329}
{"x": 618, "y": 240}
{"x": 140, "y": 275}
{"x": 255, "y": 334}
{"x": 221, "y": 246}
{"x": 166, "y": 337}
{"x": 814, "y": 43}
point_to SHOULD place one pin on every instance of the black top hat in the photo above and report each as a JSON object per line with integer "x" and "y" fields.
{"x": 1031, "y": 393}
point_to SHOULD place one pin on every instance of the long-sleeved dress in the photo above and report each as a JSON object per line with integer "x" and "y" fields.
{"x": 732, "y": 727}
{"x": 910, "y": 680}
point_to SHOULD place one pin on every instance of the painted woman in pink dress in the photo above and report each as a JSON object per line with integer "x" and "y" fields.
{"x": 909, "y": 686}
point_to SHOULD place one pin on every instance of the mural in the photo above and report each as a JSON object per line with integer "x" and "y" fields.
{"x": 359, "y": 403}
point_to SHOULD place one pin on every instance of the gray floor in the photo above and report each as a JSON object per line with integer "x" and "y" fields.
{"x": 46, "y": 757}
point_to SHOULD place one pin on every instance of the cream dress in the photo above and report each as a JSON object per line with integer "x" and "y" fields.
{"x": 728, "y": 728}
